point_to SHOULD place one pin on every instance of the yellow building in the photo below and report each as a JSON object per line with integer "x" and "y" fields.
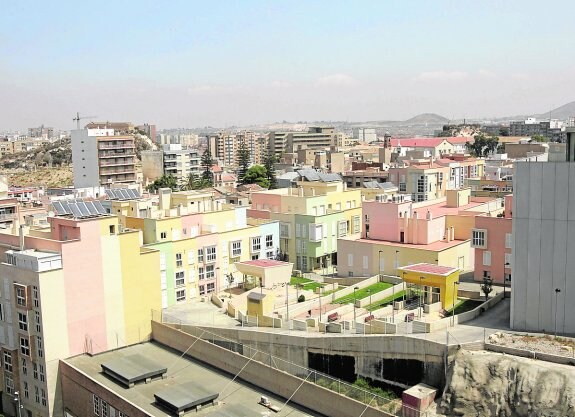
{"x": 438, "y": 283}
{"x": 260, "y": 304}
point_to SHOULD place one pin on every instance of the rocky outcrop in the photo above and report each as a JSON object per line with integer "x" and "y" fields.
{"x": 494, "y": 384}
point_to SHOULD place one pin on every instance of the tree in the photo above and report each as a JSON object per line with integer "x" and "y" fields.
{"x": 482, "y": 146}
{"x": 207, "y": 163}
{"x": 257, "y": 174}
{"x": 269, "y": 162}
{"x": 487, "y": 287}
{"x": 243, "y": 161}
{"x": 165, "y": 181}
{"x": 539, "y": 138}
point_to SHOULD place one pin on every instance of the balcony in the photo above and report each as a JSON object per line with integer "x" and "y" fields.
{"x": 116, "y": 155}
{"x": 116, "y": 163}
{"x": 7, "y": 217}
{"x": 127, "y": 145}
{"x": 118, "y": 171}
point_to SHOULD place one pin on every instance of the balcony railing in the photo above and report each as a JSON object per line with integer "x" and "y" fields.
{"x": 128, "y": 145}
{"x": 116, "y": 155}
{"x": 7, "y": 217}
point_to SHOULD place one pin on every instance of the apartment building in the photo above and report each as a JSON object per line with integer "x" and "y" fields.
{"x": 430, "y": 179}
{"x": 312, "y": 217}
{"x": 492, "y": 239}
{"x": 396, "y": 233}
{"x": 199, "y": 241}
{"x": 101, "y": 157}
{"x": 290, "y": 142}
{"x": 224, "y": 147}
{"x": 9, "y": 147}
{"x": 430, "y": 147}
{"x": 171, "y": 160}
{"x": 77, "y": 286}
{"x": 42, "y": 131}
{"x": 552, "y": 130}
{"x": 364, "y": 135}
{"x": 9, "y": 208}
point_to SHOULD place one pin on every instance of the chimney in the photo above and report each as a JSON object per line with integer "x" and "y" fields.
{"x": 21, "y": 236}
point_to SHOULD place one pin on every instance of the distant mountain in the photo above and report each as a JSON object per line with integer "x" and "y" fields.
{"x": 426, "y": 119}
{"x": 564, "y": 112}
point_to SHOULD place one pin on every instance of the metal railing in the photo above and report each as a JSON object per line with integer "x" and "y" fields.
{"x": 370, "y": 399}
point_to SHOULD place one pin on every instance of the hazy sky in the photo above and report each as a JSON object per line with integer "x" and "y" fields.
{"x": 193, "y": 64}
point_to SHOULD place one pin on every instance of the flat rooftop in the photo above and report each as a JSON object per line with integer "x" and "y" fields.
{"x": 236, "y": 397}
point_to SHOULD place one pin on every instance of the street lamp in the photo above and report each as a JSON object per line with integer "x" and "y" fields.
{"x": 18, "y": 405}
{"x": 354, "y": 316}
{"x": 421, "y": 295}
{"x": 505, "y": 265}
{"x": 454, "y": 300}
{"x": 557, "y": 291}
{"x": 403, "y": 274}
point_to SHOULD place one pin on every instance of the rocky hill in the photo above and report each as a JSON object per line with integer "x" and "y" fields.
{"x": 426, "y": 119}
{"x": 494, "y": 384}
{"x": 562, "y": 113}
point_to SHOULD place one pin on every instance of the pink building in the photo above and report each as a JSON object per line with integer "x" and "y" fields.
{"x": 492, "y": 241}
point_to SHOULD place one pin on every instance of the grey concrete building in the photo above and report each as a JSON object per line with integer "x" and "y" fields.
{"x": 543, "y": 257}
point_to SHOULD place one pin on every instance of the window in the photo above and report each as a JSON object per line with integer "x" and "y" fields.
{"x": 350, "y": 259}
{"x": 1, "y": 312}
{"x": 163, "y": 235}
{"x": 255, "y": 257}
{"x": 37, "y": 394}
{"x": 487, "y": 274}
{"x": 104, "y": 409}
{"x": 179, "y": 262}
{"x": 25, "y": 346}
{"x": 236, "y": 249}
{"x": 256, "y": 244}
{"x": 26, "y": 392}
{"x": 190, "y": 257}
{"x": 180, "y": 280}
{"x": 211, "y": 287}
{"x": 38, "y": 322}
{"x": 507, "y": 260}
{"x": 40, "y": 347}
{"x": 210, "y": 272}
{"x": 508, "y": 241}
{"x": 35, "y": 370}
{"x": 180, "y": 295}
{"x": 356, "y": 224}
{"x": 365, "y": 262}
{"x": 112, "y": 229}
{"x": 24, "y": 367}
{"x": 285, "y": 230}
{"x": 200, "y": 255}
{"x": 96, "y": 402}
{"x": 9, "y": 384}
{"x": 270, "y": 254}
{"x": 35, "y": 296}
{"x": 201, "y": 273}
{"x": 202, "y": 289}
{"x": 486, "y": 258}
{"x": 478, "y": 238}
{"x": 304, "y": 263}
{"x": 342, "y": 229}
{"x": 42, "y": 377}
{"x": 269, "y": 241}
{"x": 20, "y": 296}
{"x": 8, "y": 361}
{"x": 23, "y": 321}
{"x": 315, "y": 232}
{"x": 211, "y": 254}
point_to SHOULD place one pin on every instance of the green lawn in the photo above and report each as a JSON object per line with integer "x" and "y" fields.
{"x": 305, "y": 283}
{"x": 383, "y": 303}
{"x": 364, "y": 292}
{"x": 463, "y": 306}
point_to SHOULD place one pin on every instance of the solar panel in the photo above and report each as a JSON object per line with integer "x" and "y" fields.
{"x": 66, "y": 207}
{"x": 111, "y": 193}
{"x": 91, "y": 208}
{"x": 136, "y": 193}
{"x": 58, "y": 207}
{"x": 75, "y": 211}
{"x": 100, "y": 208}
{"x": 131, "y": 193}
{"x": 124, "y": 193}
{"x": 83, "y": 209}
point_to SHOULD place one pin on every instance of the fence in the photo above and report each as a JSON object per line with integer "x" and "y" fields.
{"x": 370, "y": 399}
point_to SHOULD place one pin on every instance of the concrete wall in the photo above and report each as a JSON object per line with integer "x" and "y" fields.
{"x": 368, "y": 352}
{"x": 543, "y": 253}
{"x": 308, "y": 395}
{"x": 564, "y": 360}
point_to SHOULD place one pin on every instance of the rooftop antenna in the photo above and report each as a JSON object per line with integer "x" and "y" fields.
{"x": 78, "y": 118}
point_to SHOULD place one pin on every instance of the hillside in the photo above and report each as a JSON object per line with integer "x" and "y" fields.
{"x": 426, "y": 119}
{"x": 563, "y": 112}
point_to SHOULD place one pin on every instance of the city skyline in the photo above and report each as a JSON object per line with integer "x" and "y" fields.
{"x": 194, "y": 65}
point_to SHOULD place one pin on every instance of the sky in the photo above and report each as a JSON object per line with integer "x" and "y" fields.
{"x": 223, "y": 63}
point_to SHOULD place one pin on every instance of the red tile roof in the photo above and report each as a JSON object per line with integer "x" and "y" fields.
{"x": 430, "y": 269}
{"x": 416, "y": 142}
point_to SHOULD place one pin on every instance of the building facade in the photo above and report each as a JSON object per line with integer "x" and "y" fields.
{"x": 290, "y": 142}
{"x": 102, "y": 157}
